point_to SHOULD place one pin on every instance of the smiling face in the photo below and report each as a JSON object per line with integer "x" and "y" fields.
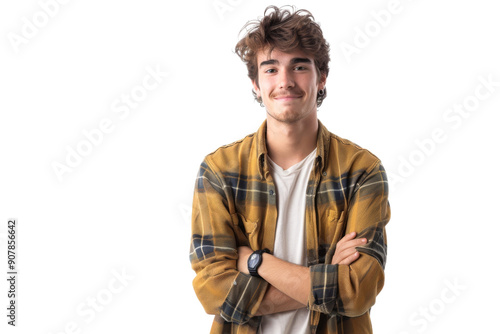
{"x": 288, "y": 84}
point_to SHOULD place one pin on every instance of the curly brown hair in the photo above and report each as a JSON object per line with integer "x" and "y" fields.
{"x": 285, "y": 30}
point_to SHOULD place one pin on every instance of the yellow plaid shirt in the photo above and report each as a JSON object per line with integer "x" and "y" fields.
{"x": 235, "y": 205}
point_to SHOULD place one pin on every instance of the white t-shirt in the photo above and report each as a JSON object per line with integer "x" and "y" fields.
{"x": 289, "y": 244}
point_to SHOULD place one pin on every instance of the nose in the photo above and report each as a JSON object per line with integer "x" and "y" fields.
{"x": 286, "y": 80}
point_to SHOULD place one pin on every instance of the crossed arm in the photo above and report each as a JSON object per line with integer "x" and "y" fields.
{"x": 347, "y": 286}
{"x": 290, "y": 283}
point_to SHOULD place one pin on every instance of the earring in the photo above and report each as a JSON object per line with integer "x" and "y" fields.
{"x": 321, "y": 96}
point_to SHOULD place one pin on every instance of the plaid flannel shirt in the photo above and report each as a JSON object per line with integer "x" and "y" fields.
{"x": 235, "y": 205}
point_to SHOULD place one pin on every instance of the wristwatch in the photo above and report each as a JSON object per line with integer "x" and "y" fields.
{"x": 255, "y": 260}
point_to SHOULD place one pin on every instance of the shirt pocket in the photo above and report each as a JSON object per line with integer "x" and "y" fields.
{"x": 250, "y": 230}
{"x": 336, "y": 222}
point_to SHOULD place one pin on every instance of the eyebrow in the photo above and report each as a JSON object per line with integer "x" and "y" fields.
{"x": 293, "y": 61}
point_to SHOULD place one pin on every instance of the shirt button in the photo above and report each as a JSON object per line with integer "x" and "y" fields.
{"x": 324, "y": 173}
{"x": 271, "y": 192}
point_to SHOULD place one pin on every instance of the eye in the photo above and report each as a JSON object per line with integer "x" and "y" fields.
{"x": 300, "y": 68}
{"x": 270, "y": 70}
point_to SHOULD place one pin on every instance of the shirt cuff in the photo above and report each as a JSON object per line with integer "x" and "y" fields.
{"x": 244, "y": 299}
{"x": 324, "y": 288}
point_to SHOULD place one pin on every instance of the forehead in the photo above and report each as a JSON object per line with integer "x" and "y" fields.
{"x": 280, "y": 56}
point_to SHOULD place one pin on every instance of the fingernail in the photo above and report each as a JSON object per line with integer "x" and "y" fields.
{"x": 364, "y": 240}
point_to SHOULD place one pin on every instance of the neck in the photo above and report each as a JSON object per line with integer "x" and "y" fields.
{"x": 290, "y": 143}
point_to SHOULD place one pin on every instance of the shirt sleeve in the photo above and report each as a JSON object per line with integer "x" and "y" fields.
{"x": 219, "y": 286}
{"x": 350, "y": 290}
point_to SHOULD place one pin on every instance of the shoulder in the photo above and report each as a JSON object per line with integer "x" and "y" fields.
{"x": 229, "y": 157}
{"x": 350, "y": 155}
{"x": 351, "y": 147}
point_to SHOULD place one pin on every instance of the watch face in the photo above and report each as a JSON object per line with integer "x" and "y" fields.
{"x": 252, "y": 262}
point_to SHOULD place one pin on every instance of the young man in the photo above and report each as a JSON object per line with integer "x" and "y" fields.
{"x": 288, "y": 225}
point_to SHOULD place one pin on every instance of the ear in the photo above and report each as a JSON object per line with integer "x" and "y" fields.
{"x": 256, "y": 88}
{"x": 322, "y": 81}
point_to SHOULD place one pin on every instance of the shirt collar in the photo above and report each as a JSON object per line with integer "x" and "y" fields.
{"x": 322, "y": 145}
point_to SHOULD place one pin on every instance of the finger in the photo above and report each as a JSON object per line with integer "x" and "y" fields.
{"x": 347, "y": 249}
{"x": 354, "y": 243}
{"x": 350, "y": 244}
{"x": 350, "y": 237}
{"x": 347, "y": 237}
{"x": 350, "y": 259}
{"x": 340, "y": 256}
{"x": 345, "y": 254}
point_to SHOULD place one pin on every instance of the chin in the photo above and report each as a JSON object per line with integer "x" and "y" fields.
{"x": 286, "y": 117}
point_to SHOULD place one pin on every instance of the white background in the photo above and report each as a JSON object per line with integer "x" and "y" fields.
{"x": 125, "y": 206}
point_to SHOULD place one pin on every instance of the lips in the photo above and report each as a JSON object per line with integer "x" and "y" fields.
{"x": 286, "y": 97}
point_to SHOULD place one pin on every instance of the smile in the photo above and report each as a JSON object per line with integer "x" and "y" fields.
{"x": 286, "y": 97}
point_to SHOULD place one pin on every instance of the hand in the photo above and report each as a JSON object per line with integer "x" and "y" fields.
{"x": 345, "y": 252}
{"x": 244, "y": 253}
